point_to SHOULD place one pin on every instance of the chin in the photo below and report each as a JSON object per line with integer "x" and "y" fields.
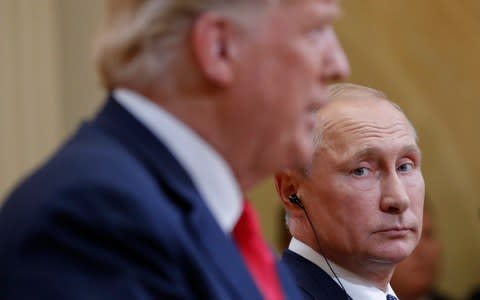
{"x": 395, "y": 252}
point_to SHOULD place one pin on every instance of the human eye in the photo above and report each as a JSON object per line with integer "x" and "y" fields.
{"x": 317, "y": 33}
{"x": 405, "y": 167}
{"x": 360, "y": 172}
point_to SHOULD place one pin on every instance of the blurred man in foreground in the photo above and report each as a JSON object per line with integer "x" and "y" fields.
{"x": 355, "y": 211}
{"x": 145, "y": 201}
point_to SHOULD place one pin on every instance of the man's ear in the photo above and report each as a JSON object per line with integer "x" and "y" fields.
{"x": 213, "y": 42}
{"x": 287, "y": 184}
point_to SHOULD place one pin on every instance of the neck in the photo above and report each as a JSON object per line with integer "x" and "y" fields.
{"x": 376, "y": 273}
{"x": 211, "y": 119}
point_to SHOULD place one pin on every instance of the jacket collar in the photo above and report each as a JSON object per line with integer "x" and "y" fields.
{"x": 176, "y": 183}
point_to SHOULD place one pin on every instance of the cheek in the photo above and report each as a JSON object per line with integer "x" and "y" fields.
{"x": 414, "y": 181}
{"x": 360, "y": 206}
{"x": 366, "y": 187}
{"x": 298, "y": 70}
{"x": 348, "y": 207}
{"x": 415, "y": 187}
{"x": 280, "y": 88}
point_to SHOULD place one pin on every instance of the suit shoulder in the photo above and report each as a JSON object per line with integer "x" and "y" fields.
{"x": 91, "y": 180}
{"x": 312, "y": 280}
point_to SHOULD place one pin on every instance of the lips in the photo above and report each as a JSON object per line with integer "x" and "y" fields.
{"x": 395, "y": 231}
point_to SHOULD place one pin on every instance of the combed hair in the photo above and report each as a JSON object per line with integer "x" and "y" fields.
{"x": 140, "y": 39}
{"x": 342, "y": 90}
{"x": 339, "y": 90}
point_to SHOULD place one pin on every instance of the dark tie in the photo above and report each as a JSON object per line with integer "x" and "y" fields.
{"x": 390, "y": 297}
{"x": 257, "y": 255}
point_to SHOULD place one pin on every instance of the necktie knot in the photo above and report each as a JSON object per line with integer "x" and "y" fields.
{"x": 391, "y": 297}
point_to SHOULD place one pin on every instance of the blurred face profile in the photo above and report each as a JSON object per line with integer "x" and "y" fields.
{"x": 291, "y": 54}
{"x": 415, "y": 275}
{"x": 365, "y": 188}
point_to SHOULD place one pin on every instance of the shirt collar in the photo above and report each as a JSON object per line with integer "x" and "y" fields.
{"x": 356, "y": 287}
{"x": 209, "y": 172}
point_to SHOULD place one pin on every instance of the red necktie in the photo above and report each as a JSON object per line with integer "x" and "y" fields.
{"x": 256, "y": 254}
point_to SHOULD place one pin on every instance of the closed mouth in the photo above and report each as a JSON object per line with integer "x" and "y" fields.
{"x": 395, "y": 230}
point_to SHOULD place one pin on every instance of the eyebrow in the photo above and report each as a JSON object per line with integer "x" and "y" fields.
{"x": 371, "y": 151}
{"x": 327, "y": 15}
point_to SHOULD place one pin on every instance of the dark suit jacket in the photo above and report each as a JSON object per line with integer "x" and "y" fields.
{"x": 114, "y": 216}
{"x": 313, "y": 282}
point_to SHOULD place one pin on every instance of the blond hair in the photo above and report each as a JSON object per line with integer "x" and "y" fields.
{"x": 140, "y": 39}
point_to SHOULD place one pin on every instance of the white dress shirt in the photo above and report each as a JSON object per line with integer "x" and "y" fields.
{"x": 209, "y": 172}
{"x": 357, "y": 288}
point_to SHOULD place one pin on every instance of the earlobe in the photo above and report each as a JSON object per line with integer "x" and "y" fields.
{"x": 286, "y": 185}
{"x": 211, "y": 48}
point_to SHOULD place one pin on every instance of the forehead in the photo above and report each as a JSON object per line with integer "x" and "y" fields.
{"x": 326, "y": 10}
{"x": 359, "y": 124}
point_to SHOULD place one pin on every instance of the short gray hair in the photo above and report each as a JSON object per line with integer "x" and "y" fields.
{"x": 140, "y": 39}
{"x": 342, "y": 90}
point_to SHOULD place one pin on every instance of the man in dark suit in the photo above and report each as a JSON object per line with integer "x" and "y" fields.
{"x": 145, "y": 201}
{"x": 355, "y": 211}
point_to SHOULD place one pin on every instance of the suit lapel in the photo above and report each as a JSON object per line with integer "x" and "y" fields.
{"x": 219, "y": 248}
{"x": 290, "y": 291}
{"x": 222, "y": 251}
{"x": 312, "y": 278}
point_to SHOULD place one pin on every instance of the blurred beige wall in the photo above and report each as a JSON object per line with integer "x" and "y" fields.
{"x": 29, "y": 85}
{"x": 47, "y": 82}
{"x": 423, "y": 54}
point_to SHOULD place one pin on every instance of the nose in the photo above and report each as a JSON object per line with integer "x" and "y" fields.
{"x": 394, "y": 199}
{"x": 336, "y": 65}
